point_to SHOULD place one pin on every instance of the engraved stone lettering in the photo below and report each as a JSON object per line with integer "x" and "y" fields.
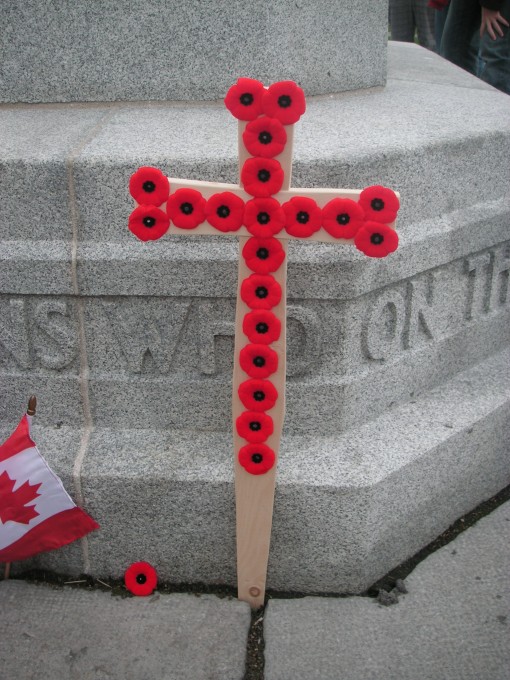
{"x": 211, "y": 328}
{"x": 304, "y": 339}
{"x": 382, "y": 331}
{"x": 14, "y": 337}
{"x": 420, "y": 293}
{"x": 147, "y": 332}
{"x": 499, "y": 283}
{"x": 56, "y": 346}
{"x": 478, "y": 269}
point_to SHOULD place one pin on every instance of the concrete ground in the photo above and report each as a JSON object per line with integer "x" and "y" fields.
{"x": 452, "y": 624}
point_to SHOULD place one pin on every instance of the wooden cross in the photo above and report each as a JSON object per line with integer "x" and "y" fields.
{"x": 264, "y": 213}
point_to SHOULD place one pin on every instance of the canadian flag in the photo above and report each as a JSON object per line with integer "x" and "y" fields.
{"x": 36, "y": 512}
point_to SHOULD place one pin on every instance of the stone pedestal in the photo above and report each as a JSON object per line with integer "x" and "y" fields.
{"x": 129, "y": 50}
{"x": 398, "y": 384}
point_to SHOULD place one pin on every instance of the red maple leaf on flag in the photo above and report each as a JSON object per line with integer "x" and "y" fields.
{"x": 13, "y": 503}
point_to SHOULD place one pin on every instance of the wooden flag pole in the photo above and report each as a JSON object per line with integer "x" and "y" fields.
{"x": 32, "y": 404}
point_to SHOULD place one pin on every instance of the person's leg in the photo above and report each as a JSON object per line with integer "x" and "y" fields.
{"x": 424, "y": 19}
{"x": 439, "y": 22}
{"x": 495, "y": 56}
{"x": 401, "y": 20}
{"x": 460, "y": 43}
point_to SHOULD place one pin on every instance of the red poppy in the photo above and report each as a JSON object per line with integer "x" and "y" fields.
{"x": 254, "y": 427}
{"x": 225, "y": 211}
{"x": 141, "y": 579}
{"x": 149, "y": 186}
{"x": 302, "y": 216}
{"x": 262, "y": 326}
{"x": 258, "y": 361}
{"x": 262, "y": 177}
{"x": 264, "y": 217}
{"x": 261, "y": 291}
{"x": 186, "y": 208}
{"x": 257, "y": 395}
{"x": 265, "y": 137}
{"x": 342, "y": 217}
{"x": 285, "y": 101}
{"x": 148, "y": 223}
{"x": 257, "y": 459}
{"x": 244, "y": 99}
{"x": 263, "y": 255}
{"x": 376, "y": 239}
{"x": 379, "y": 204}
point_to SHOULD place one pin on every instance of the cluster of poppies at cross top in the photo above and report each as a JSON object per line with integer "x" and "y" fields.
{"x": 267, "y": 112}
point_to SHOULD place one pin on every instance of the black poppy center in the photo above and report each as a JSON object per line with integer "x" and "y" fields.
{"x": 343, "y": 219}
{"x": 141, "y": 579}
{"x": 246, "y": 99}
{"x": 302, "y": 217}
{"x": 265, "y": 137}
{"x": 256, "y": 458}
{"x": 148, "y": 186}
{"x": 262, "y": 253}
{"x": 259, "y": 395}
{"x": 261, "y": 292}
{"x": 284, "y": 101}
{"x": 377, "y": 239}
{"x": 263, "y": 218}
{"x": 255, "y": 426}
{"x": 223, "y": 211}
{"x": 149, "y": 221}
{"x": 262, "y": 327}
{"x": 186, "y": 208}
{"x": 264, "y": 175}
{"x": 259, "y": 362}
{"x": 377, "y": 204}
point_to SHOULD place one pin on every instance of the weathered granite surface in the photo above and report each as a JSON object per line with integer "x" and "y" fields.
{"x": 129, "y": 346}
{"x": 186, "y": 49}
{"x": 64, "y": 633}
{"x": 451, "y": 625}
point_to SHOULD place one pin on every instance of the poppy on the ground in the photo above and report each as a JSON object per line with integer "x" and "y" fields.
{"x": 141, "y": 579}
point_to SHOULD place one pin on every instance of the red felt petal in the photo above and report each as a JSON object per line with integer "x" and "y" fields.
{"x": 284, "y": 100}
{"x": 261, "y": 291}
{"x": 264, "y": 217}
{"x": 225, "y": 211}
{"x": 148, "y": 223}
{"x": 257, "y": 459}
{"x": 142, "y": 570}
{"x": 379, "y": 204}
{"x": 376, "y": 239}
{"x": 254, "y": 427}
{"x": 263, "y": 255}
{"x": 261, "y": 326}
{"x": 186, "y": 208}
{"x": 265, "y": 137}
{"x": 149, "y": 186}
{"x": 262, "y": 177}
{"x": 258, "y": 361}
{"x": 303, "y": 216}
{"x": 244, "y": 99}
{"x": 258, "y": 395}
{"x": 342, "y": 217}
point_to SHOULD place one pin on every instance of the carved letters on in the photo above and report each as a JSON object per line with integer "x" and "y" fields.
{"x": 161, "y": 336}
{"x": 36, "y": 333}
